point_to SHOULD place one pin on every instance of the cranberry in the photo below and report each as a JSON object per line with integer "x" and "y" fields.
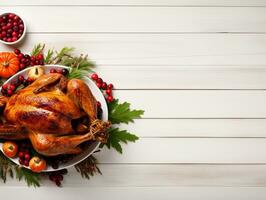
{"x": 9, "y": 25}
{"x": 15, "y": 28}
{"x": 110, "y": 86}
{"x": 21, "y": 162}
{"x": 99, "y": 104}
{"x": 99, "y": 85}
{"x": 9, "y": 92}
{"x": 109, "y": 92}
{"x": 10, "y": 30}
{"x": 60, "y": 71}
{"x": 12, "y": 87}
{"x": 21, "y": 78}
{"x": 14, "y": 39}
{"x": 39, "y": 57}
{"x": 22, "y": 66}
{"x": 11, "y": 16}
{"x": 110, "y": 99}
{"x": 53, "y": 71}
{"x": 14, "y": 34}
{"x": 21, "y": 155}
{"x": 16, "y": 18}
{"x": 26, "y": 163}
{"x": 23, "y": 60}
{"x": 3, "y": 34}
{"x": 27, "y": 156}
{"x": 99, "y": 80}
{"x": 5, "y": 86}
{"x": 104, "y": 85}
{"x": 94, "y": 77}
{"x": 9, "y": 39}
{"x": 17, "y": 51}
{"x": 27, "y": 56}
{"x": 21, "y": 27}
{"x": 64, "y": 71}
{"x": 20, "y": 56}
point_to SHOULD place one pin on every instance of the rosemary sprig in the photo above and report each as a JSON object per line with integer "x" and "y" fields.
{"x": 37, "y": 49}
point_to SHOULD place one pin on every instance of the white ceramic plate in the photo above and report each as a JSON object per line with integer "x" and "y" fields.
{"x": 97, "y": 94}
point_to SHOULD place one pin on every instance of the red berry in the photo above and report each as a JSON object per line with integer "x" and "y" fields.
{"x": 110, "y": 86}
{"x": 17, "y": 51}
{"x": 108, "y": 92}
{"x": 21, "y": 161}
{"x": 39, "y": 56}
{"x": 99, "y": 80}
{"x": 12, "y": 87}
{"x": 104, "y": 85}
{"x": 3, "y": 34}
{"x": 99, "y": 104}
{"x": 21, "y": 155}
{"x": 9, "y": 92}
{"x": 110, "y": 99}
{"x": 94, "y": 77}
{"x": 99, "y": 85}
{"x": 26, "y": 162}
{"x": 11, "y": 16}
{"x": 27, "y": 156}
{"x": 22, "y": 66}
{"x": 5, "y": 86}
{"x": 20, "y": 56}
{"x": 23, "y": 60}
{"x": 60, "y": 71}
{"x": 9, "y": 39}
{"x": 53, "y": 71}
{"x": 14, "y": 34}
{"x": 14, "y": 39}
{"x": 21, "y": 78}
{"x": 64, "y": 71}
{"x": 33, "y": 58}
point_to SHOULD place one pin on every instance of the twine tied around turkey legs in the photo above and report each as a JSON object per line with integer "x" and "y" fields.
{"x": 98, "y": 130}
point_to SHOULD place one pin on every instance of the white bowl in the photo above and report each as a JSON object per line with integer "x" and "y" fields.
{"x": 90, "y": 148}
{"x": 23, "y": 34}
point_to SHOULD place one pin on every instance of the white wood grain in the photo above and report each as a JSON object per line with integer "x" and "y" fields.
{"x": 133, "y": 193}
{"x": 163, "y": 175}
{"x": 189, "y": 150}
{"x": 142, "y": 19}
{"x": 139, "y": 2}
{"x": 176, "y": 61}
{"x": 198, "y": 127}
{"x": 197, "y": 104}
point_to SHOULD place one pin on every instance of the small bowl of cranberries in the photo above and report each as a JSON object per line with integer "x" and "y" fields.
{"x": 12, "y": 28}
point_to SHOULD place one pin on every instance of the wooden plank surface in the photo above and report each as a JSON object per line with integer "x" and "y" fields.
{"x": 189, "y": 150}
{"x": 187, "y": 128}
{"x": 126, "y": 19}
{"x": 197, "y": 103}
{"x": 168, "y": 63}
{"x": 139, "y": 2}
{"x": 132, "y": 193}
{"x": 164, "y": 175}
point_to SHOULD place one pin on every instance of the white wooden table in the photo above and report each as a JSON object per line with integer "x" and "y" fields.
{"x": 198, "y": 68}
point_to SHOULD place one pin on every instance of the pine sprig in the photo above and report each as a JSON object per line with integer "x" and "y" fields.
{"x": 37, "y": 49}
{"x": 88, "y": 167}
{"x": 49, "y": 56}
{"x": 31, "y": 178}
{"x": 117, "y": 136}
{"x": 5, "y": 168}
{"x": 8, "y": 168}
{"x": 121, "y": 113}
